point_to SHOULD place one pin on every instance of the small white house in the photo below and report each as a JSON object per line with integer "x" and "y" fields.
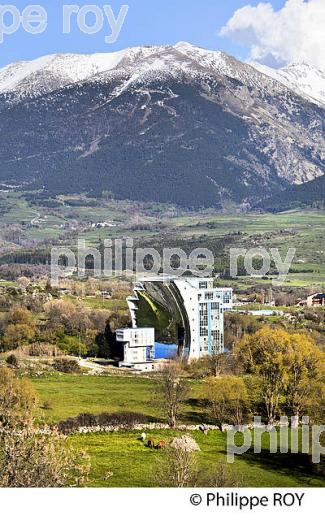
{"x": 316, "y": 300}
{"x": 139, "y": 348}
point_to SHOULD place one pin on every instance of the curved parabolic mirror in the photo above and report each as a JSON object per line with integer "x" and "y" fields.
{"x": 159, "y": 304}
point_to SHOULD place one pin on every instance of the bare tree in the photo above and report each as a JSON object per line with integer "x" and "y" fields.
{"x": 29, "y": 456}
{"x": 217, "y": 363}
{"x": 220, "y": 476}
{"x": 179, "y": 468}
{"x": 171, "y": 391}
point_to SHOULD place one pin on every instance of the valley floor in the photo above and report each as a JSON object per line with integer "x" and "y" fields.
{"x": 30, "y": 226}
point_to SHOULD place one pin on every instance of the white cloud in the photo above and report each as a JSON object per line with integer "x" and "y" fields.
{"x": 294, "y": 34}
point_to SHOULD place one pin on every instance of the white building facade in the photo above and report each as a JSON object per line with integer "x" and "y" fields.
{"x": 205, "y": 306}
{"x": 138, "y": 348}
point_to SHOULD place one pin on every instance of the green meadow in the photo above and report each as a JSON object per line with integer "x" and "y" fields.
{"x": 133, "y": 464}
{"x": 69, "y": 395}
{"x": 129, "y": 461}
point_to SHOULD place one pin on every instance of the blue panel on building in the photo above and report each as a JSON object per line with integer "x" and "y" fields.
{"x": 163, "y": 351}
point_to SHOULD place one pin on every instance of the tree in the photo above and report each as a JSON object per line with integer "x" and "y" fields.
{"x": 237, "y": 325}
{"x": 178, "y": 469}
{"x": 227, "y": 398}
{"x": 72, "y": 345}
{"x": 288, "y": 366}
{"x": 171, "y": 391}
{"x": 101, "y": 349}
{"x": 181, "y": 468}
{"x": 265, "y": 354}
{"x": 18, "y": 327}
{"x": 90, "y": 342}
{"x": 17, "y": 334}
{"x": 107, "y": 195}
{"x": 221, "y": 476}
{"x": 306, "y": 375}
{"x": 217, "y": 363}
{"x": 77, "y": 322}
{"x": 23, "y": 282}
{"x": 30, "y": 457}
{"x": 58, "y": 313}
{"x": 116, "y": 321}
{"x": 22, "y": 316}
{"x": 18, "y": 401}
{"x": 210, "y": 365}
{"x": 66, "y": 319}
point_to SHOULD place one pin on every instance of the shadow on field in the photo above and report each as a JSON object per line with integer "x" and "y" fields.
{"x": 196, "y": 414}
{"x": 299, "y": 464}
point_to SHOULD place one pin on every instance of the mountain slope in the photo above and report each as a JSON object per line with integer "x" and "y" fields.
{"x": 23, "y": 80}
{"x": 174, "y": 124}
{"x": 303, "y": 79}
{"x": 310, "y": 193}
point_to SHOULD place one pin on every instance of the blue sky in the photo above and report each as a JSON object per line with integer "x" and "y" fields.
{"x": 147, "y": 22}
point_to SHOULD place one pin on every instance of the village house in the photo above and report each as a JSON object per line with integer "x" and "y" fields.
{"x": 316, "y": 300}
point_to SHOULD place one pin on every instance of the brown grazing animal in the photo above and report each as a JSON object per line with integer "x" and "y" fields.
{"x": 151, "y": 443}
{"x": 161, "y": 445}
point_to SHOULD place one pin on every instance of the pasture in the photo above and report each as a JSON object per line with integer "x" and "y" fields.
{"x": 130, "y": 461}
{"x": 133, "y": 464}
{"x": 70, "y": 395}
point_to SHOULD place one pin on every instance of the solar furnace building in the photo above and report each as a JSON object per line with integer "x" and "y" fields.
{"x": 185, "y": 312}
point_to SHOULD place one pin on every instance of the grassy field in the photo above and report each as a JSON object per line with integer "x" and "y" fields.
{"x": 133, "y": 464}
{"x": 99, "y": 303}
{"x": 69, "y": 395}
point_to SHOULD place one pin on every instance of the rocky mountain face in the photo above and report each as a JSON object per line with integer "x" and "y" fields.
{"x": 173, "y": 124}
{"x": 303, "y": 79}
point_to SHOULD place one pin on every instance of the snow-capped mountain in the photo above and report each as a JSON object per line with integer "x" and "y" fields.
{"x": 44, "y": 75}
{"x": 171, "y": 123}
{"x": 303, "y": 79}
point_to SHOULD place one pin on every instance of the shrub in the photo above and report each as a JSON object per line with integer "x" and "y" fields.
{"x": 125, "y": 419}
{"x": 46, "y": 405}
{"x": 17, "y": 333}
{"x": 12, "y": 361}
{"x": 42, "y": 349}
{"x": 72, "y": 345}
{"x": 67, "y": 366}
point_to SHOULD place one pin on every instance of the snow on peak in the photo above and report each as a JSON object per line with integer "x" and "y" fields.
{"x": 47, "y": 74}
{"x": 54, "y": 71}
{"x": 305, "y": 80}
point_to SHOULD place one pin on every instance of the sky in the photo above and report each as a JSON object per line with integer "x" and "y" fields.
{"x": 273, "y": 32}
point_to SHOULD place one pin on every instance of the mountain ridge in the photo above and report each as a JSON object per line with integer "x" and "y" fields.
{"x": 303, "y": 79}
{"x": 168, "y": 123}
{"x": 79, "y": 67}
